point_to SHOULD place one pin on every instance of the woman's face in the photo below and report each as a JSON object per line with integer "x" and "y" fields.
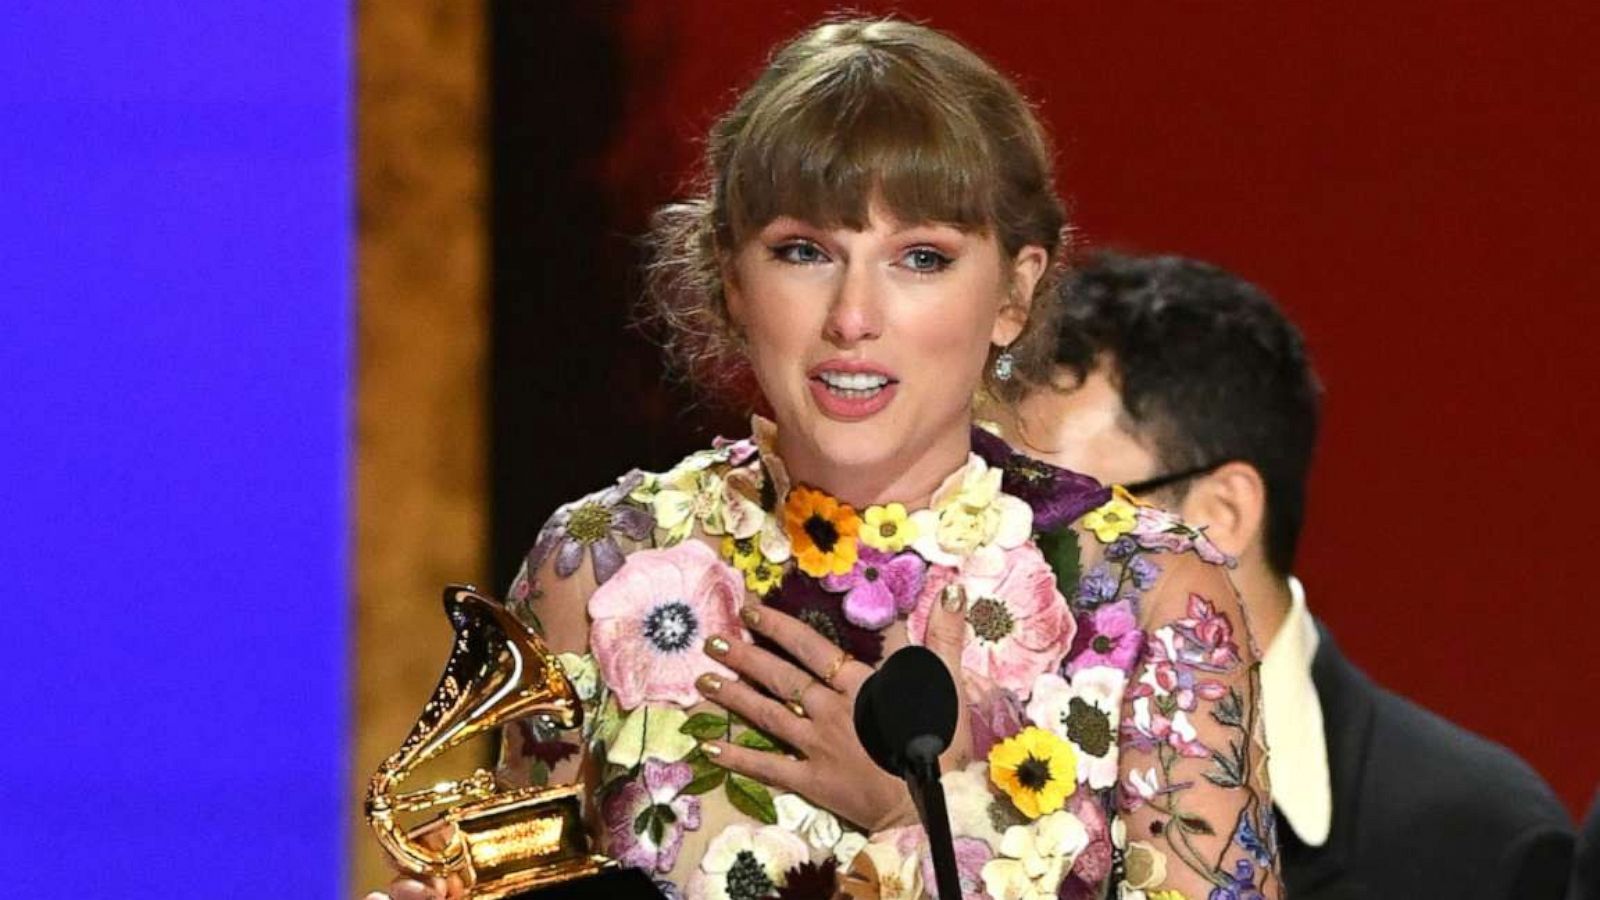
{"x": 869, "y": 344}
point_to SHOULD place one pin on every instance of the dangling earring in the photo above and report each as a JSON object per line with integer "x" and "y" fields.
{"x": 1004, "y": 364}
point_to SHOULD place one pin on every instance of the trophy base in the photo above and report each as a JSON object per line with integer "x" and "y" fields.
{"x": 531, "y": 843}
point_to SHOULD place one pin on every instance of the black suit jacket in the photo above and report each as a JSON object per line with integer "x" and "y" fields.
{"x": 1421, "y": 807}
{"x": 1586, "y": 868}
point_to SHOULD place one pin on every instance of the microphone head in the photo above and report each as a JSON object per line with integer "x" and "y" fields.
{"x": 910, "y": 701}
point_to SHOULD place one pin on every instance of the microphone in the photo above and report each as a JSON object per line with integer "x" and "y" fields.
{"x": 905, "y": 717}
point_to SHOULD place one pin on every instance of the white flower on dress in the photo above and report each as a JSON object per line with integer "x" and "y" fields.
{"x": 898, "y": 876}
{"x": 746, "y": 862}
{"x": 818, "y": 827}
{"x": 1086, "y": 711}
{"x": 969, "y": 511}
{"x": 1035, "y": 858}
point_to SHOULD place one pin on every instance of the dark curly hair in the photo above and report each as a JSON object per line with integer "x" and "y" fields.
{"x": 1207, "y": 367}
{"x": 847, "y": 112}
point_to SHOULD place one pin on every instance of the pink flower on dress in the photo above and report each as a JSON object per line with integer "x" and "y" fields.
{"x": 1018, "y": 624}
{"x": 879, "y": 587}
{"x": 994, "y": 714}
{"x": 1108, "y": 636}
{"x": 654, "y": 800}
{"x": 1157, "y": 529}
{"x": 652, "y": 618}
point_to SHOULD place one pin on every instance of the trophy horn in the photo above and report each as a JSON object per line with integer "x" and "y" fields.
{"x": 499, "y": 671}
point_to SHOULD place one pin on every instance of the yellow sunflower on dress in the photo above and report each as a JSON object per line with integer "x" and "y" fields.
{"x": 822, "y": 532}
{"x": 1036, "y": 768}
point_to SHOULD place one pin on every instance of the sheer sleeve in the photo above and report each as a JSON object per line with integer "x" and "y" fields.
{"x": 1194, "y": 812}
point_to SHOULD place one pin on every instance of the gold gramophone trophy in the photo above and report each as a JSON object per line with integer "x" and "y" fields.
{"x": 503, "y": 843}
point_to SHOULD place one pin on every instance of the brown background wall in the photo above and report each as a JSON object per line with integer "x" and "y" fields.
{"x": 422, "y": 358}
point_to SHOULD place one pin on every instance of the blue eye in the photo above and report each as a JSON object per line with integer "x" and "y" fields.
{"x": 925, "y": 260}
{"x": 800, "y": 253}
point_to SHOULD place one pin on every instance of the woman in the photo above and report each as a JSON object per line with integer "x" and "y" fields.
{"x": 872, "y": 250}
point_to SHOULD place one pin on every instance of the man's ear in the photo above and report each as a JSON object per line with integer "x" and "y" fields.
{"x": 1026, "y": 270}
{"x": 1231, "y": 502}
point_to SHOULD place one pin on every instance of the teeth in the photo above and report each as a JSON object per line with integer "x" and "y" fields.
{"x": 853, "y": 381}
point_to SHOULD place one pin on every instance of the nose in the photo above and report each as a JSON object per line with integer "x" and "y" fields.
{"x": 856, "y": 313}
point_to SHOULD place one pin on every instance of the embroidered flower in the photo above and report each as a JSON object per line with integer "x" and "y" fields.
{"x": 746, "y": 862}
{"x": 1172, "y": 662}
{"x": 719, "y": 502}
{"x": 1036, "y": 769}
{"x": 1156, "y": 723}
{"x": 1143, "y": 865}
{"x": 1138, "y": 788}
{"x": 1144, "y": 571}
{"x": 969, "y": 511}
{"x": 650, "y": 621}
{"x": 1157, "y": 529}
{"x": 650, "y": 732}
{"x": 1113, "y": 519}
{"x": 760, "y": 575}
{"x": 592, "y": 524}
{"x": 887, "y": 528}
{"x": 993, "y": 713}
{"x": 822, "y": 532}
{"x": 1241, "y": 884}
{"x": 879, "y": 587}
{"x": 1018, "y": 625}
{"x": 1034, "y": 858}
{"x": 1108, "y": 636}
{"x": 1086, "y": 711}
{"x": 971, "y": 856}
{"x": 819, "y": 828}
{"x": 882, "y": 872}
{"x": 1209, "y": 636}
{"x": 1057, "y": 496}
{"x": 803, "y": 597}
{"x": 1097, "y": 586}
{"x": 646, "y": 817}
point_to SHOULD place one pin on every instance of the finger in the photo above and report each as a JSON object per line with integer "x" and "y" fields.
{"x": 407, "y": 889}
{"x": 805, "y": 644}
{"x": 782, "y": 679}
{"x": 772, "y": 769}
{"x": 947, "y": 637}
{"x": 766, "y": 714}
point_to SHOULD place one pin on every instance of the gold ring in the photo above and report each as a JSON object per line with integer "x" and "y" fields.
{"x": 794, "y": 704}
{"x": 834, "y": 667}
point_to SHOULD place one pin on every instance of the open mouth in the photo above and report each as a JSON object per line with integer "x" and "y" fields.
{"x": 854, "y": 385}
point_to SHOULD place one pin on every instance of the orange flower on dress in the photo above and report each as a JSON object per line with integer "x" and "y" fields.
{"x": 822, "y": 531}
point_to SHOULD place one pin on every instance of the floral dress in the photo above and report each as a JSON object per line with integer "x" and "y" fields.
{"x": 1110, "y": 679}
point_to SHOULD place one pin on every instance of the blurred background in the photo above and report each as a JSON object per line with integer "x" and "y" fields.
{"x": 307, "y": 310}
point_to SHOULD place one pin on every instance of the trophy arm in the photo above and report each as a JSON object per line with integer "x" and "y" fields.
{"x": 407, "y": 852}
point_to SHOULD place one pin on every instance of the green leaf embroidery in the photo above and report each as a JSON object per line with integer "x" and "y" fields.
{"x": 705, "y": 726}
{"x": 643, "y": 819}
{"x": 658, "y": 827}
{"x": 751, "y": 798}
{"x": 1061, "y": 551}
{"x": 1195, "y": 825}
{"x": 755, "y": 740}
{"x": 1230, "y": 768}
{"x": 1230, "y": 710}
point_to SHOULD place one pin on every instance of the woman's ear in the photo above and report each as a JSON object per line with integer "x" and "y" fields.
{"x": 1026, "y": 270}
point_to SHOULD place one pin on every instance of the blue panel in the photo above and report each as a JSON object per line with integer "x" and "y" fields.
{"x": 175, "y": 350}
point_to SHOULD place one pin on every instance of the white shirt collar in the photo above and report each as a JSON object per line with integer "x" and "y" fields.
{"x": 1297, "y": 762}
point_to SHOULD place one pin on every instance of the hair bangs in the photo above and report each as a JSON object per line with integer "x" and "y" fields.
{"x": 873, "y": 130}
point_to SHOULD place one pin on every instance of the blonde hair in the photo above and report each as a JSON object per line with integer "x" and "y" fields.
{"x": 847, "y": 112}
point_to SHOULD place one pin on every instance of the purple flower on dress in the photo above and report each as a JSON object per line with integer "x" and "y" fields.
{"x": 880, "y": 586}
{"x": 593, "y": 523}
{"x": 1108, "y": 636}
{"x": 646, "y": 817}
{"x": 1058, "y": 496}
{"x": 1145, "y": 571}
{"x": 971, "y": 854}
{"x": 1242, "y": 884}
{"x": 1098, "y": 586}
{"x": 803, "y": 597}
{"x": 1121, "y": 548}
{"x": 994, "y": 714}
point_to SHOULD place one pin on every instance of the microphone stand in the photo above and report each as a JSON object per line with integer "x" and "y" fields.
{"x": 927, "y": 794}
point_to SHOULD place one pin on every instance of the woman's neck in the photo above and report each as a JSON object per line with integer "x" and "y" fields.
{"x": 911, "y": 482}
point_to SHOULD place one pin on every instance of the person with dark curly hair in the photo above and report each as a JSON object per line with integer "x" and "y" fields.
{"x": 874, "y": 246}
{"x": 1187, "y": 384}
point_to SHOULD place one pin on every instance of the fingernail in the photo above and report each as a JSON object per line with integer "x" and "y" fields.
{"x": 709, "y": 683}
{"x": 716, "y": 645}
{"x": 710, "y": 749}
{"x": 751, "y": 614}
{"x": 953, "y": 598}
